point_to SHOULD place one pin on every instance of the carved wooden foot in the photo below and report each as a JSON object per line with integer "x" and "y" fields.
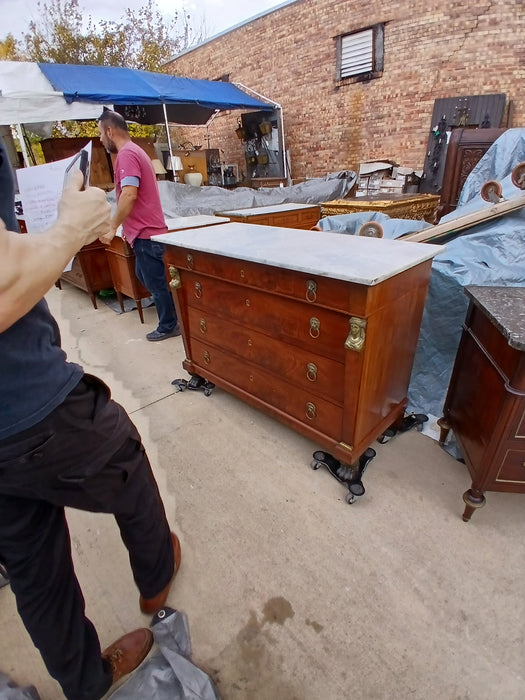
{"x": 473, "y": 500}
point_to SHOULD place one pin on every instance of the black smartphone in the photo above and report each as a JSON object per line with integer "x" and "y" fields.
{"x": 79, "y": 162}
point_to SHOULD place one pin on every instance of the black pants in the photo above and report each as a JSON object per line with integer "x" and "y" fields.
{"x": 86, "y": 454}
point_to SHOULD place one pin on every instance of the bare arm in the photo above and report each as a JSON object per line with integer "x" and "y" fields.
{"x": 31, "y": 263}
{"x": 125, "y": 205}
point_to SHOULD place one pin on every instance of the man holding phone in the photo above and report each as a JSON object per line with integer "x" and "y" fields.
{"x": 139, "y": 211}
{"x": 65, "y": 442}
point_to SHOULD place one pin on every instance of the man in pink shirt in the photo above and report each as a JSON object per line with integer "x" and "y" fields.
{"x": 139, "y": 211}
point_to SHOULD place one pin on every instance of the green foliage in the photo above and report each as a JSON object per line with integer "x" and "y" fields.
{"x": 142, "y": 39}
{"x": 9, "y": 49}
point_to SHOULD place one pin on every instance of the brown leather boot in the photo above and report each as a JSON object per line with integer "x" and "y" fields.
{"x": 150, "y": 606}
{"x": 128, "y": 652}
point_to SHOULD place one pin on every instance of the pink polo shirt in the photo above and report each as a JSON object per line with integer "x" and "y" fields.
{"x": 146, "y": 218}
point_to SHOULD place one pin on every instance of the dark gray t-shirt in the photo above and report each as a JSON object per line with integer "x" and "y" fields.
{"x": 34, "y": 375}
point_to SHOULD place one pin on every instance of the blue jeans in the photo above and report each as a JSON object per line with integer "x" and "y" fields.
{"x": 149, "y": 268}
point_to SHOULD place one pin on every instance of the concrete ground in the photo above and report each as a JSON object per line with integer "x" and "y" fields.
{"x": 290, "y": 593}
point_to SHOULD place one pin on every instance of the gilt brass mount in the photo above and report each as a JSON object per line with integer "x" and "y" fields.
{"x": 175, "y": 282}
{"x": 356, "y": 337}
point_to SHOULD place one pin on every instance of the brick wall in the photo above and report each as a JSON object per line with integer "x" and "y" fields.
{"x": 432, "y": 50}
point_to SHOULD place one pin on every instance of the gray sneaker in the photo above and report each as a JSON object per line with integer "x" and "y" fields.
{"x": 157, "y": 335}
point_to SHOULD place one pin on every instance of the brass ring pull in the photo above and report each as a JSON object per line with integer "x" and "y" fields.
{"x": 311, "y": 372}
{"x": 315, "y": 327}
{"x": 189, "y": 259}
{"x": 207, "y": 358}
{"x": 198, "y": 290}
{"x": 311, "y": 291}
{"x": 311, "y": 410}
{"x": 202, "y": 325}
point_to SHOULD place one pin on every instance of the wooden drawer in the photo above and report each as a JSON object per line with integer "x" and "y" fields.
{"x": 506, "y": 358}
{"x": 303, "y": 218}
{"x": 304, "y": 369}
{"x": 512, "y": 471}
{"x": 315, "y": 290}
{"x": 304, "y": 406}
{"x": 320, "y": 331}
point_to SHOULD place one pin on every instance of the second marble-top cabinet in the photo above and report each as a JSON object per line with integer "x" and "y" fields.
{"x": 485, "y": 404}
{"x": 317, "y": 329}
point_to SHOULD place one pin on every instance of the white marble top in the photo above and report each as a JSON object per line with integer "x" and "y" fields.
{"x": 357, "y": 259}
{"x": 269, "y": 209}
{"x": 180, "y": 222}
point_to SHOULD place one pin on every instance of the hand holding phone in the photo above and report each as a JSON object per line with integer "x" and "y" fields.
{"x": 79, "y": 163}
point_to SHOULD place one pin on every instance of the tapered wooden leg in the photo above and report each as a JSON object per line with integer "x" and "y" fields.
{"x": 120, "y": 298}
{"x": 473, "y": 499}
{"x": 139, "y": 309}
{"x": 444, "y": 430}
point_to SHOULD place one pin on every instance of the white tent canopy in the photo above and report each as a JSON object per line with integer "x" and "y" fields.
{"x": 27, "y": 97}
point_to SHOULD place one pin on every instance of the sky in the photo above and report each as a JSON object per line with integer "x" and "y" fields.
{"x": 215, "y": 15}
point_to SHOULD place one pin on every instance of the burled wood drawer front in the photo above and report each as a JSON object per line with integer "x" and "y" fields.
{"x": 313, "y": 411}
{"x": 512, "y": 470}
{"x": 319, "y": 330}
{"x": 315, "y": 290}
{"x": 305, "y": 369}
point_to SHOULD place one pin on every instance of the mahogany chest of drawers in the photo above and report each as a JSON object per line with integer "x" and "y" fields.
{"x": 316, "y": 329}
{"x": 485, "y": 404}
{"x": 89, "y": 271}
{"x": 287, "y": 215}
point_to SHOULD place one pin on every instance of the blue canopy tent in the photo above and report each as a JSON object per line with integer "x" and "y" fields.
{"x": 150, "y": 98}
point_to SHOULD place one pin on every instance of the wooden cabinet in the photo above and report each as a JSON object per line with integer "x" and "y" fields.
{"x": 316, "y": 329}
{"x": 207, "y": 162}
{"x": 284, "y": 215}
{"x": 90, "y": 270}
{"x": 101, "y": 170}
{"x": 465, "y": 149}
{"x": 485, "y": 404}
{"x": 121, "y": 260}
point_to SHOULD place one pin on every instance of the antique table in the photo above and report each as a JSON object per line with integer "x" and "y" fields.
{"x": 397, "y": 206}
{"x": 485, "y": 404}
{"x": 316, "y": 329}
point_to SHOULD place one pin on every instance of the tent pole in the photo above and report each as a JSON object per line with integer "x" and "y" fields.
{"x": 22, "y": 141}
{"x": 168, "y": 132}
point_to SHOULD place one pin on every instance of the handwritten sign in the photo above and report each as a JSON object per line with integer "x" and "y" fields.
{"x": 40, "y": 189}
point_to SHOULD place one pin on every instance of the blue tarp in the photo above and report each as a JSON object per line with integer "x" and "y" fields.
{"x": 144, "y": 93}
{"x": 492, "y": 253}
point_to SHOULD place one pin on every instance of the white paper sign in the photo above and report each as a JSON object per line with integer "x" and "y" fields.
{"x": 40, "y": 189}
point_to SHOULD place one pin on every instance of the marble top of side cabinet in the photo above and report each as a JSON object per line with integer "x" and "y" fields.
{"x": 269, "y": 209}
{"x": 356, "y": 259}
{"x": 180, "y": 222}
{"x": 505, "y": 307}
